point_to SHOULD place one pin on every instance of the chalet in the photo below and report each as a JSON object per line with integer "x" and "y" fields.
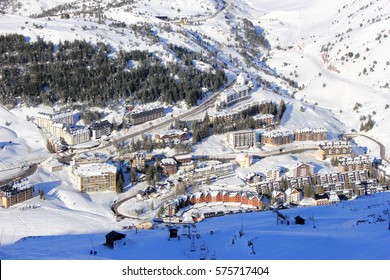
{"x": 322, "y": 199}
{"x": 293, "y": 196}
{"x": 333, "y": 197}
{"x": 173, "y": 232}
{"x": 299, "y": 220}
{"x": 115, "y": 239}
{"x": 253, "y": 178}
{"x": 99, "y": 129}
{"x": 169, "y": 166}
{"x": 279, "y": 197}
{"x": 237, "y": 198}
{"x": 16, "y": 192}
{"x": 171, "y": 136}
{"x": 308, "y": 201}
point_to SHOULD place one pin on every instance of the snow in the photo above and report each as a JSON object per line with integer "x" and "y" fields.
{"x": 348, "y": 230}
{"x": 63, "y": 225}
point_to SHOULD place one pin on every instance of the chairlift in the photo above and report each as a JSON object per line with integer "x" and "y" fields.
{"x": 192, "y": 248}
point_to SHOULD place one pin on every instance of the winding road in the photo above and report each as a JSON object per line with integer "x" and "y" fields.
{"x": 382, "y": 151}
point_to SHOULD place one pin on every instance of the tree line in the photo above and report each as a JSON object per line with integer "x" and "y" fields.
{"x": 41, "y": 72}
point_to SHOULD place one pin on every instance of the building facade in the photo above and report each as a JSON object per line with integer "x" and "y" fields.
{"x": 16, "y": 192}
{"x": 145, "y": 116}
{"x": 96, "y": 177}
{"x": 99, "y": 129}
{"x": 241, "y": 140}
{"x": 169, "y": 166}
{"x": 171, "y": 136}
{"x": 335, "y": 149}
{"x": 274, "y": 138}
{"x": 46, "y": 120}
{"x": 302, "y": 170}
{"x": 310, "y": 134}
{"x": 357, "y": 163}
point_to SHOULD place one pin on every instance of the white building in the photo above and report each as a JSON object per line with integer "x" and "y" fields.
{"x": 241, "y": 140}
{"x": 47, "y": 120}
{"x": 236, "y": 94}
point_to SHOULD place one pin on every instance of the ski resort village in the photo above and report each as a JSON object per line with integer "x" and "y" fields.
{"x": 194, "y": 130}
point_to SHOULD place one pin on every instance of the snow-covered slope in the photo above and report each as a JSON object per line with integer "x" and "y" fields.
{"x": 349, "y": 230}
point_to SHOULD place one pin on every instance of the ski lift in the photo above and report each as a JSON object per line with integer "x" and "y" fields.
{"x": 193, "y": 248}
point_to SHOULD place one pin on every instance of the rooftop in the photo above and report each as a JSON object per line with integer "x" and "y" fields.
{"x": 94, "y": 169}
{"x": 16, "y": 187}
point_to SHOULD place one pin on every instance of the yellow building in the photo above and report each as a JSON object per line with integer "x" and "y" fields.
{"x": 16, "y": 192}
{"x": 95, "y": 177}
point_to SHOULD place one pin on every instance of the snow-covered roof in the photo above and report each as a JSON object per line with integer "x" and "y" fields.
{"x": 275, "y": 134}
{"x": 309, "y": 129}
{"x": 94, "y": 169}
{"x": 16, "y": 187}
{"x": 168, "y": 161}
{"x": 263, "y": 116}
{"x": 55, "y": 116}
{"x": 171, "y": 133}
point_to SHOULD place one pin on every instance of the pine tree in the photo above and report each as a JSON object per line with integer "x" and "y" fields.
{"x": 308, "y": 191}
{"x": 133, "y": 175}
{"x": 120, "y": 187}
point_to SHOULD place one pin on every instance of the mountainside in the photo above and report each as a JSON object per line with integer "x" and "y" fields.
{"x": 330, "y": 56}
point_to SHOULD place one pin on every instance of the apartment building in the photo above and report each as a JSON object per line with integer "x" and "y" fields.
{"x": 356, "y": 163}
{"x": 145, "y": 116}
{"x": 276, "y": 138}
{"x": 95, "y": 177}
{"x": 310, "y": 134}
{"x": 16, "y": 192}
{"x": 99, "y": 129}
{"x": 335, "y": 149}
{"x": 47, "y": 120}
{"x": 241, "y": 140}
